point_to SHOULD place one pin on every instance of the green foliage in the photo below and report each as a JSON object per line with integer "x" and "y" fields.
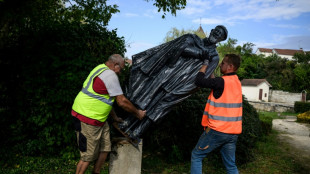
{"x": 251, "y": 133}
{"x": 18, "y": 163}
{"x": 179, "y": 132}
{"x": 266, "y": 122}
{"x": 300, "y": 107}
{"x": 252, "y": 67}
{"x": 47, "y": 48}
{"x": 91, "y": 11}
{"x": 175, "y": 33}
{"x": 281, "y": 73}
{"x": 46, "y": 61}
{"x": 302, "y": 77}
{"x": 227, "y": 47}
{"x": 169, "y": 6}
{"x": 270, "y": 155}
{"x": 302, "y": 58}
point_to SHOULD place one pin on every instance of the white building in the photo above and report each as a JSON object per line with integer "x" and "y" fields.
{"x": 256, "y": 89}
{"x": 264, "y": 51}
{"x": 284, "y": 53}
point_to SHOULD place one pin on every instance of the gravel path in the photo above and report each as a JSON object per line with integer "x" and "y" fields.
{"x": 297, "y": 135}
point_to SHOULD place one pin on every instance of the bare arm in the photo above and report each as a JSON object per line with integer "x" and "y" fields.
{"x": 124, "y": 103}
{"x": 203, "y": 68}
{"x": 115, "y": 117}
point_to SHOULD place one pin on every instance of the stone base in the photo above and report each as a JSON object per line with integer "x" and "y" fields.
{"x": 124, "y": 157}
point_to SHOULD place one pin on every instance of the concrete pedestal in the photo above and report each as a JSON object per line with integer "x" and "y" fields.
{"x": 125, "y": 158}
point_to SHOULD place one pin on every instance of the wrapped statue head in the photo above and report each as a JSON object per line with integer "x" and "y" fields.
{"x": 218, "y": 34}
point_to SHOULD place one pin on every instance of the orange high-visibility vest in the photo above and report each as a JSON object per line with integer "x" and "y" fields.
{"x": 225, "y": 113}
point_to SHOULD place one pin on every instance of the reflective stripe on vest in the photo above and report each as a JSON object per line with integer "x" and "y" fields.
{"x": 104, "y": 100}
{"x": 91, "y": 104}
{"x": 85, "y": 90}
{"x": 222, "y": 118}
{"x": 225, "y": 113}
{"x": 225, "y": 105}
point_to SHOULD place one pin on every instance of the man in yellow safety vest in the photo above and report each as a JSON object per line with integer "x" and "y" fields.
{"x": 91, "y": 108}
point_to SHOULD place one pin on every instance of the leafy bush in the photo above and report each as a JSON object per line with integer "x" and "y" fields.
{"x": 266, "y": 122}
{"x": 300, "y": 107}
{"x": 252, "y": 131}
{"x": 45, "y": 70}
{"x": 180, "y": 130}
{"x": 177, "y": 133}
{"x": 304, "y": 117}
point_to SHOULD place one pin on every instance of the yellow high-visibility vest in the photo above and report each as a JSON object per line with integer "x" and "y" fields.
{"x": 91, "y": 104}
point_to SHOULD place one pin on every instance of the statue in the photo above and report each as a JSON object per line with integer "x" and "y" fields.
{"x": 164, "y": 75}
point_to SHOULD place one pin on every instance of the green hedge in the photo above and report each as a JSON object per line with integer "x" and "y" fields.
{"x": 180, "y": 130}
{"x": 45, "y": 70}
{"x": 300, "y": 107}
{"x": 266, "y": 123}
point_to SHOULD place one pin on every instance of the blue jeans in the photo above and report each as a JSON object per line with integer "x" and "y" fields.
{"x": 210, "y": 141}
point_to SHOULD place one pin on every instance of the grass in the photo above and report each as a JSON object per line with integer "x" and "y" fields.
{"x": 275, "y": 115}
{"x": 39, "y": 165}
{"x": 270, "y": 157}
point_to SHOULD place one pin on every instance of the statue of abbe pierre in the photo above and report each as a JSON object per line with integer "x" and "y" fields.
{"x": 163, "y": 76}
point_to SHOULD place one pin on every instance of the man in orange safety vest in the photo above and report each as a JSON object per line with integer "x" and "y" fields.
{"x": 222, "y": 117}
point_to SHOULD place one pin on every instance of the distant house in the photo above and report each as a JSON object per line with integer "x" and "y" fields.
{"x": 256, "y": 89}
{"x": 284, "y": 53}
{"x": 264, "y": 51}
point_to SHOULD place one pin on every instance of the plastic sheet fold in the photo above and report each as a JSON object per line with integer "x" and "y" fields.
{"x": 164, "y": 76}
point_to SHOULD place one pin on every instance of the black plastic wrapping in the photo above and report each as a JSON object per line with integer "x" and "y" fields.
{"x": 163, "y": 76}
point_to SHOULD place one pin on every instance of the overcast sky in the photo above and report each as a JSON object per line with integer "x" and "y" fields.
{"x": 266, "y": 23}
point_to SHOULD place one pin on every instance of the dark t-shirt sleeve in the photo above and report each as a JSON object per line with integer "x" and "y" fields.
{"x": 217, "y": 84}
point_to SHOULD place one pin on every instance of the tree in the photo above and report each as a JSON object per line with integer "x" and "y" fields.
{"x": 302, "y": 72}
{"x": 252, "y": 67}
{"x": 169, "y": 6}
{"x": 227, "y": 47}
{"x": 47, "y": 49}
{"x": 302, "y": 58}
{"x": 247, "y": 49}
{"x": 175, "y": 33}
{"x": 279, "y": 72}
{"x": 166, "y": 135}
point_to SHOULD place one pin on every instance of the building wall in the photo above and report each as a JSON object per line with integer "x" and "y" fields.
{"x": 286, "y": 56}
{"x": 279, "y": 96}
{"x": 252, "y": 92}
{"x": 263, "y": 53}
{"x": 272, "y": 107}
{"x": 289, "y": 57}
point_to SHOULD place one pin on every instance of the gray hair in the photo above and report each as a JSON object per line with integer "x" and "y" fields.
{"x": 116, "y": 58}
